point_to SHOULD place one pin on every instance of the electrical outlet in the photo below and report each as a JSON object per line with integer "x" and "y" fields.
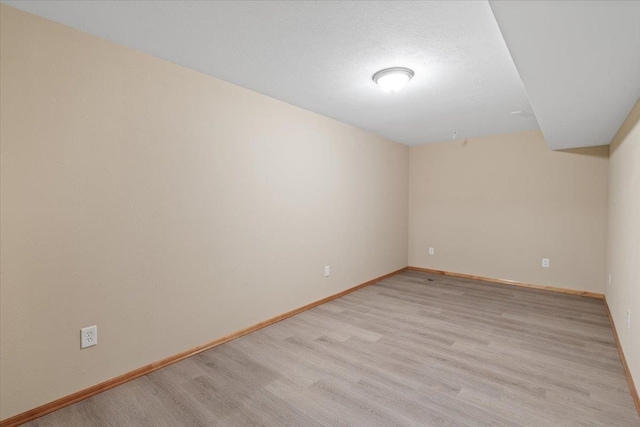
{"x": 88, "y": 336}
{"x": 628, "y": 318}
{"x": 432, "y": 251}
{"x": 545, "y": 262}
{"x": 609, "y": 281}
{"x": 327, "y": 271}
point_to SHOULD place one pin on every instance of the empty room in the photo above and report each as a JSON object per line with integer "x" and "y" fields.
{"x": 319, "y": 213}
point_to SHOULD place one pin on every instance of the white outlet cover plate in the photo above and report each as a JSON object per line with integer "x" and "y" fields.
{"x": 432, "y": 251}
{"x": 545, "y": 262}
{"x": 327, "y": 271}
{"x": 88, "y": 336}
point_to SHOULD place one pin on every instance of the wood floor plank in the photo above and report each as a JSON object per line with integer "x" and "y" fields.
{"x": 415, "y": 349}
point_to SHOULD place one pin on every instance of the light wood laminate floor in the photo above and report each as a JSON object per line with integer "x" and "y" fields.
{"x": 412, "y": 350}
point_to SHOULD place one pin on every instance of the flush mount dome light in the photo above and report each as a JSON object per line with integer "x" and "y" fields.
{"x": 393, "y": 79}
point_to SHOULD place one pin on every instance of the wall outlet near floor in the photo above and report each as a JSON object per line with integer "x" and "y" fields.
{"x": 609, "y": 280}
{"x": 432, "y": 251}
{"x": 327, "y": 271}
{"x": 628, "y": 318}
{"x": 545, "y": 262}
{"x": 88, "y": 336}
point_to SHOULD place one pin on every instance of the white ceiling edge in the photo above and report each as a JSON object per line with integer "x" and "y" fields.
{"x": 321, "y": 56}
{"x": 579, "y": 62}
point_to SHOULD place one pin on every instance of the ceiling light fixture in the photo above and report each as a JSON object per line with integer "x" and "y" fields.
{"x": 393, "y": 79}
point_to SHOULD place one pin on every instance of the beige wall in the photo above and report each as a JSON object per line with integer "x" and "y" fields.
{"x": 496, "y": 206}
{"x": 624, "y": 237}
{"x": 171, "y": 208}
{"x": 167, "y": 207}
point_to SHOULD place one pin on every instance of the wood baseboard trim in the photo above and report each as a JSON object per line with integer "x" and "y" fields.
{"x": 510, "y": 282}
{"x": 47, "y": 408}
{"x": 632, "y": 386}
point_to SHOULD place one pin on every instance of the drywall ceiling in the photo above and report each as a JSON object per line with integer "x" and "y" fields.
{"x": 580, "y": 63}
{"x": 321, "y": 56}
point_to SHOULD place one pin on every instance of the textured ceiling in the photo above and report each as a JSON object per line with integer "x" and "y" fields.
{"x": 321, "y": 56}
{"x": 580, "y": 63}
